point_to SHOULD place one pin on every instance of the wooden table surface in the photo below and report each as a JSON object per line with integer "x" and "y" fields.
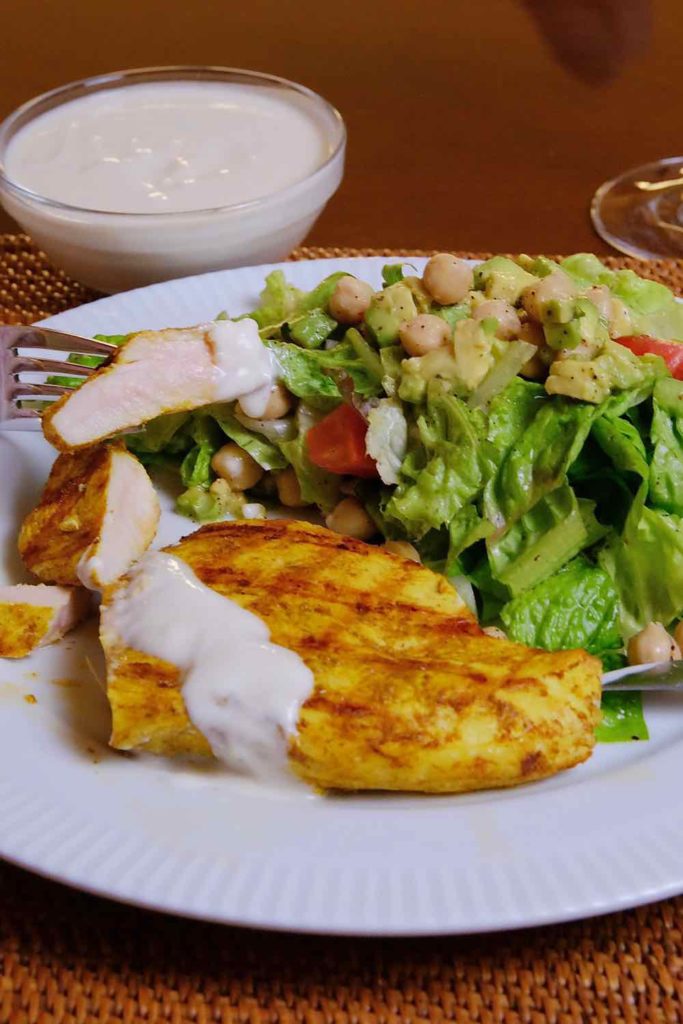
{"x": 472, "y": 125}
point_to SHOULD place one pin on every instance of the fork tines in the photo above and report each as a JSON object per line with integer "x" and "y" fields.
{"x": 22, "y": 399}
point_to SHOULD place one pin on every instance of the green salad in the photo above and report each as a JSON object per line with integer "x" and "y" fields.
{"x": 518, "y": 424}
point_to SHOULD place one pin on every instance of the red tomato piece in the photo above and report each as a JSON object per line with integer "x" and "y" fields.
{"x": 670, "y": 351}
{"x": 337, "y": 443}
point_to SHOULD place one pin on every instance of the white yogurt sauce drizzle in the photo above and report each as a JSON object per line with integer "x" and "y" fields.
{"x": 241, "y": 691}
{"x": 244, "y": 367}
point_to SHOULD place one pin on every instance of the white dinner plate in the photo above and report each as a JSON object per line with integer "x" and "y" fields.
{"x": 199, "y": 842}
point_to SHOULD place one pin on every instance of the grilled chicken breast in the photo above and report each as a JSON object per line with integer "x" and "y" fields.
{"x": 98, "y": 513}
{"x": 156, "y": 372}
{"x": 409, "y": 694}
{"x": 33, "y": 615}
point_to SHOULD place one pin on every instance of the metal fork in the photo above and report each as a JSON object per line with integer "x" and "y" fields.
{"x": 19, "y": 398}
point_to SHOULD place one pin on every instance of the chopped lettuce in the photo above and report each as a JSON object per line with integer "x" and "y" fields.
{"x": 318, "y": 487}
{"x": 646, "y": 564}
{"x": 303, "y": 374}
{"x": 387, "y": 438}
{"x": 265, "y": 452}
{"x": 538, "y": 460}
{"x": 623, "y": 445}
{"x": 195, "y": 469}
{"x": 445, "y": 473}
{"x": 666, "y": 469}
{"x": 622, "y": 718}
{"x": 576, "y": 607}
{"x": 546, "y": 537}
{"x": 392, "y": 273}
{"x": 278, "y": 301}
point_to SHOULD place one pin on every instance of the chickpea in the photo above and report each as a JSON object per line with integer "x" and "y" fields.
{"x": 423, "y": 334}
{"x": 652, "y": 644}
{"x": 350, "y": 300}
{"x": 279, "y": 404}
{"x": 447, "y": 279}
{"x": 555, "y": 286}
{"x": 350, "y": 518}
{"x": 403, "y": 549}
{"x": 495, "y": 632}
{"x": 536, "y": 367}
{"x": 288, "y": 489}
{"x": 509, "y": 324}
{"x": 237, "y": 467}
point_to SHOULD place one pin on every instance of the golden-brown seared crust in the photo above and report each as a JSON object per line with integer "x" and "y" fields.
{"x": 51, "y": 435}
{"x": 22, "y": 628}
{"x": 70, "y": 514}
{"x": 410, "y": 694}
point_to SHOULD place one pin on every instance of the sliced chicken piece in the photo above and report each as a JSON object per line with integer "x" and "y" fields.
{"x": 98, "y": 513}
{"x": 33, "y": 615}
{"x": 409, "y": 693}
{"x": 157, "y": 372}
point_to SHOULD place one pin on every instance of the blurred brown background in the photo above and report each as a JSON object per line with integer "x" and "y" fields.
{"x": 472, "y": 124}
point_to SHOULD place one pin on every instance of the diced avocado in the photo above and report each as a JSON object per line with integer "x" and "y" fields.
{"x": 419, "y": 371}
{"x": 473, "y": 348}
{"x": 311, "y": 329}
{"x": 451, "y": 314}
{"x": 592, "y": 380}
{"x": 584, "y": 327}
{"x": 541, "y": 266}
{"x": 388, "y": 310}
{"x": 502, "y": 278}
{"x": 421, "y": 296}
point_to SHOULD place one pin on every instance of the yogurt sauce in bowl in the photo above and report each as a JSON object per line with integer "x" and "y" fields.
{"x": 144, "y": 176}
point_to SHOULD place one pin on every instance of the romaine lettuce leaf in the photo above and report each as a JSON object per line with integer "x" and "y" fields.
{"x": 445, "y": 473}
{"x": 623, "y": 445}
{"x": 195, "y": 469}
{"x": 387, "y": 438}
{"x": 263, "y": 451}
{"x": 165, "y": 433}
{"x": 466, "y": 528}
{"x": 666, "y": 470}
{"x": 544, "y": 539}
{"x": 278, "y": 301}
{"x": 576, "y": 607}
{"x": 646, "y": 564}
{"x": 302, "y": 373}
{"x": 513, "y": 411}
{"x": 622, "y": 718}
{"x": 318, "y": 487}
{"x": 539, "y": 458}
{"x": 348, "y": 358}
{"x": 586, "y": 269}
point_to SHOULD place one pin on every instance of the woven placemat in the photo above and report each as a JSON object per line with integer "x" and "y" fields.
{"x": 69, "y": 958}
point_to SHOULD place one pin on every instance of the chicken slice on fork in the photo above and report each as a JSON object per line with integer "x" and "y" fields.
{"x": 33, "y": 615}
{"x": 157, "y": 372}
{"x": 98, "y": 513}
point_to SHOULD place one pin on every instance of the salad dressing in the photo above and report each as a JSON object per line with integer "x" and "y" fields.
{"x": 168, "y": 147}
{"x": 241, "y": 691}
{"x": 244, "y": 367}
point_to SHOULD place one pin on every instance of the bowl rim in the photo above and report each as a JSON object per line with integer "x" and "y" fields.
{"x": 171, "y": 72}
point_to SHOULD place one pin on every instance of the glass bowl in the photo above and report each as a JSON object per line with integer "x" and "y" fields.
{"x": 115, "y": 251}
